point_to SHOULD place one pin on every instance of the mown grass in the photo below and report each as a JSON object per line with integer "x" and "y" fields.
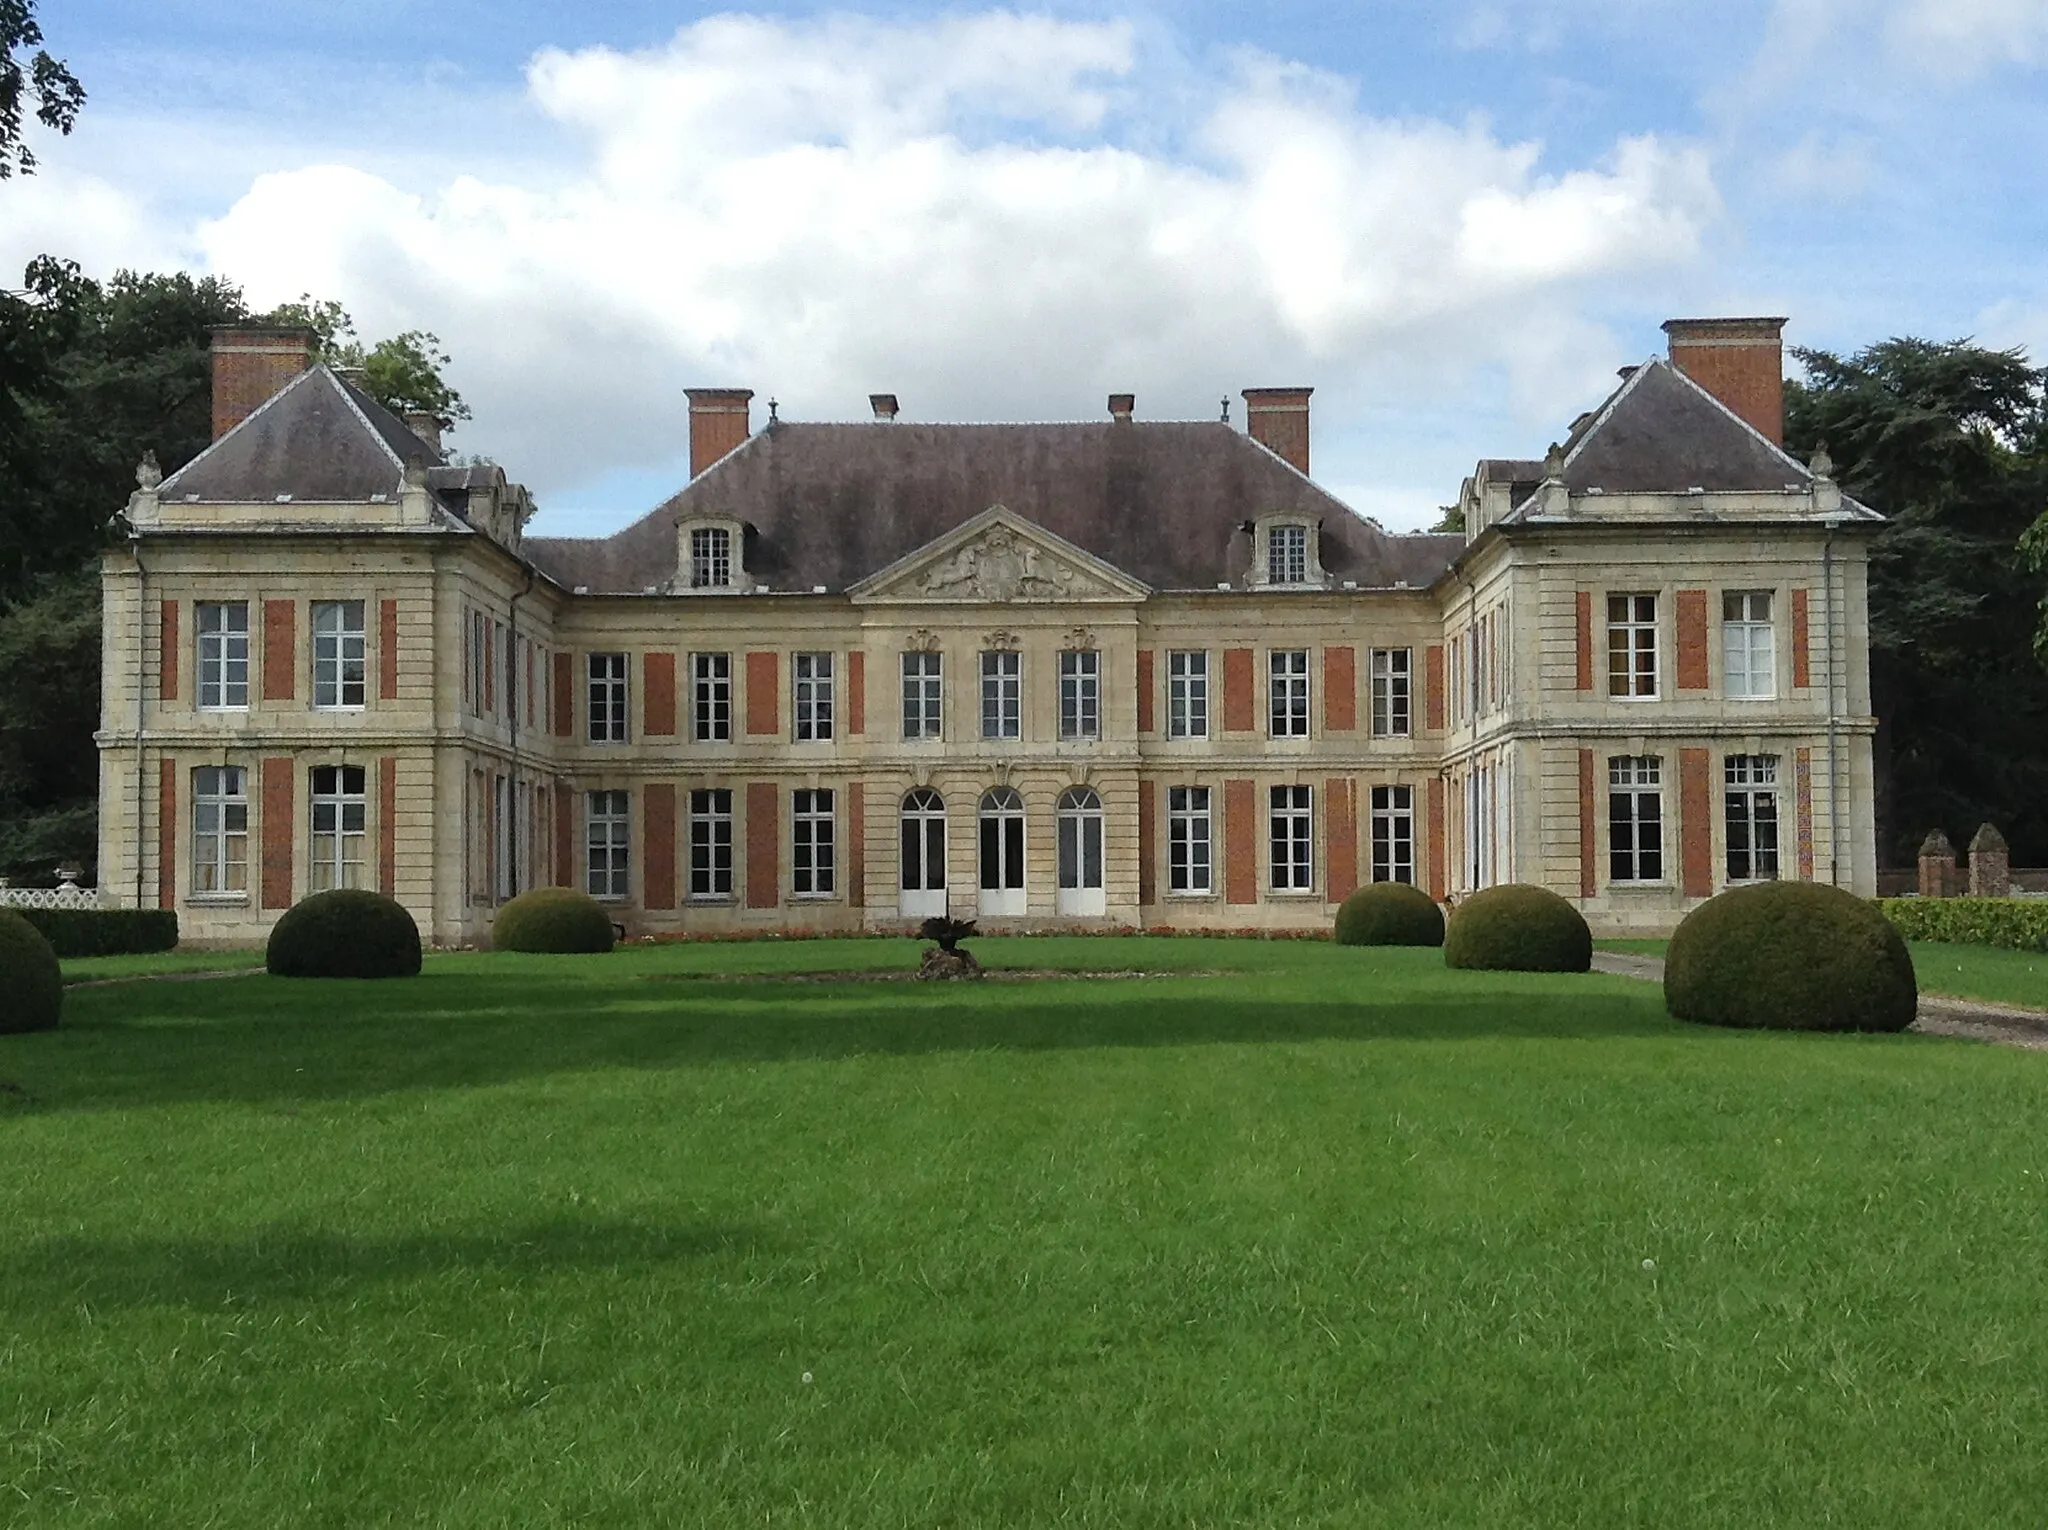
{"x": 1336, "y": 1239}
{"x": 94, "y": 969}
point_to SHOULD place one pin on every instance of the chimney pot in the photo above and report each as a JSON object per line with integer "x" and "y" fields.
{"x": 1277, "y": 418}
{"x": 425, "y": 425}
{"x": 1741, "y": 362}
{"x": 1122, "y": 406}
{"x": 884, "y": 405}
{"x": 250, "y": 364}
{"x": 719, "y": 423}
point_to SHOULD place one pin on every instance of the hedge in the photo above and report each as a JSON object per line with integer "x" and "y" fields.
{"x": 1792, "y": 956}
{"x": 552, "y": 919}
{"x": 1389, "y": 914}
{"x": 33, "y": 981}
{"x": 1516, "y": 927}
{"x": 2020, "y": 924}
{"x": 347, "y": 933}
{"x": 105, "y": 931}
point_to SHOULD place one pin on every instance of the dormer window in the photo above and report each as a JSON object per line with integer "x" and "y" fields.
{"x": 710, "y": 557}
{"x": 1285, "y": 553}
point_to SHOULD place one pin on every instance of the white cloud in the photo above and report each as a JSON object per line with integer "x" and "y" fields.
{"x": 1960, "y": 39}
{"x": 952, "y": 209}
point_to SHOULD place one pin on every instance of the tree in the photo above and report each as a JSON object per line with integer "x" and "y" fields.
{"x": 24, "y": 78}
{"x": 402, "y": 373}
{"x": 1950, "y": 441}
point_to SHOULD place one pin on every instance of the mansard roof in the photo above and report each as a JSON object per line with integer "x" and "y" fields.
{"x": 832, "y": 504}
{"x": 317, "y": 438}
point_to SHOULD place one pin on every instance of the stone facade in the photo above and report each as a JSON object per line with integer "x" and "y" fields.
{"x": 1093, "y": 675}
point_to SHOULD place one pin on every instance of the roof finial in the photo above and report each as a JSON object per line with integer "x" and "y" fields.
{"x": 1553, "y": 463}
{"x": 1226, "y": 409}
{"x": 1821, "y": 465}
{"x": 773, "y": 417}
{"x": 147, "y": 474}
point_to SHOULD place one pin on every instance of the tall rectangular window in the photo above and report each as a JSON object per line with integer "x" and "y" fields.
{"x": 1631, "y": 645}
{"x": 1751, "y": 786}
{"x": 337, "y": 654}
{"x": 711, "y": 697}
{"x": 220, "y": 830}
{"x": 710, "y": 557}
{"x": 811, "y": 826}
{"x": 606, "y": 833}
{"x": 921, "y": 695}
{"x": 1287, "y": 692}
{"x": 813, "y": 681}
{"x": 711, "y": 843}
{"x": 1189, "y": 868}
{"x": 1287, "y": 554}
{"x": 340, "y": 808}
{"x": 1187, "y": 693}
{"x": 607, "y": 698}
{"x": 1393, "y": 834}
{"x": 475, "y": 640}
{"x": 1081, "y": 694}
{"x": 1002, "y": 695}
{"x": 1749, "y": 655}
{"x": 1635, "y": 819}
{"x": 1390, "y": 693}
{"x": 1293, "y": 839}
{"x": 223, "y": 658}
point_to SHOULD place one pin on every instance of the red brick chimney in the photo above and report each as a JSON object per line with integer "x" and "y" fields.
{"x": 719, "y": 423}
{"x": 1740, "y": 361}
{"x": 250, "y": 363}
{"x": 1277, "y": 418}
{"x": 1122, "y": 406}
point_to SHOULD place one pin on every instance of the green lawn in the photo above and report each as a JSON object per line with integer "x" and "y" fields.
{"x": 1306, "y": 1236}
{"x": 90, "y": 969}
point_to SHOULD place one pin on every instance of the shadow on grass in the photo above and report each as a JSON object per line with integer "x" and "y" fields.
{"x": 293, "y": 1263}
{"x": 267, "y": 1039}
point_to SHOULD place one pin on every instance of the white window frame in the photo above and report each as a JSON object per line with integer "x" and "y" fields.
{"x": 711, "y": 844}
{"x": 1001, "y": 852}
{"x": 221, "y": 658}
{"x": 812, "y": 684}
{"x": 923, "y": 694}
{"x": 813, "y": 837}
{"x": 921, "y": 854}
{"x": 711, "y": 698}
{"x": 608, "y": 844}
{"x": 1287, "y": 692}
{"x": 1634, "y": 783}
{"x": 1079, "y": 888}
{"x": 1190, "y": 842}
{"x": 1289, "y": 558}
{"x": 1750, "y": 817}
{"x": 340, "y": 655}
{"x": 339, "y": 803}
{"x": 1080, "y": 693}
{"x": 710, "y": 557}
{"x": 1002, "y": 693}
{"x": 1749, "y": 647}
{"x": 1632, "y": 646}
{"x": 1291, "y": 837}
{"x": 1393, "y": 833}
{"x": 220, "y": 833}
{"x": 1187, "y": 693}
{"x": 1393, "y": 692}
{"x": 608, "y": 703}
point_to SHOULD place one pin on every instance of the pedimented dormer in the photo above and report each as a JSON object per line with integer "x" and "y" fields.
{"x": 999, "y": 557}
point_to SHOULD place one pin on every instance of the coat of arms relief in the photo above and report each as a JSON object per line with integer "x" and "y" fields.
{"x": 1001, "y": 566}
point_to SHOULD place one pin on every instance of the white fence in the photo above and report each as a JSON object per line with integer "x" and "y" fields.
{"x": 69, "y": 895}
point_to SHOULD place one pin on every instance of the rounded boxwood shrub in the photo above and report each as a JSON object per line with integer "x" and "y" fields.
{"x": 1797, "y": 956}
{"x": 30, "y": 976}
{"x": 552, "y": 919}
{"x": 346, "y": 933}
{"x": 1518, "y": 928}
{"x": 1390, "y": 914}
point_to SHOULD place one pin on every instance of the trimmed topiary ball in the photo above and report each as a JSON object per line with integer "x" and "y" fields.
{"x": 1518, "y": 928}
{"x": 30, "y": 976}
{"x": 347, "y": 933}
{"x": 1390, "y": 914}
{"x": 1795, "y": 956}
{"x": 557, "y": 919}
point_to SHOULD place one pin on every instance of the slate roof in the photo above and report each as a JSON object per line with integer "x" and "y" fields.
{"x": 830, "y": 504}
{"x": 1662, "y": 433}
{"x": 317, "y": 438}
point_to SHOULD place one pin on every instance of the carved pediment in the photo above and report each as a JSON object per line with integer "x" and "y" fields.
{"x": 999, "y": 557}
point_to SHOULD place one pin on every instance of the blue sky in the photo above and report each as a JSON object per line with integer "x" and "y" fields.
{"x": 1454, "y": 220}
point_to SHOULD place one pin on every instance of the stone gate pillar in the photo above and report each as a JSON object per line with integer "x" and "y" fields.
{"x": 1937, "y": 866}
{"x": 1990, "y": 864}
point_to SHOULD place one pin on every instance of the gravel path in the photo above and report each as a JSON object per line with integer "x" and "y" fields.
{"x": 2006, "y": 1025}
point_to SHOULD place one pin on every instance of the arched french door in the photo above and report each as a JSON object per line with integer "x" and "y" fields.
{"x": 922, "y": 892}
{"x": 1002, "y": 852}
{"x": 1080, "y": 839}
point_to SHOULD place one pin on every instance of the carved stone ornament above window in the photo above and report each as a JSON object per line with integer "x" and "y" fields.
{"x": 1000, "y": 642}
{"x": 1080, "y": 640}
{"x": 999, "y": 557}
{"x": 923, "y": 640}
